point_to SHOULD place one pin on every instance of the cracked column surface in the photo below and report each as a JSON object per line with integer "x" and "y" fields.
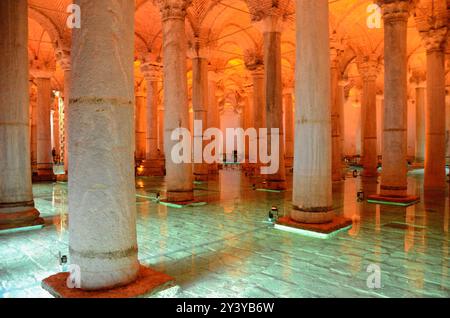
{"x": 179, "y": 177}
{"x": 102, "y": 199}
{"x": 16, "y": 195}
{"x": 312, "y": 196}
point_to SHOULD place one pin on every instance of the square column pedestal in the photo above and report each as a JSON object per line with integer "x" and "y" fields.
{"x": 152, "y": 168}
{"x": 399, "y": 201}
{"x": 148, "y": 283}
{"x": 321, "y": 231}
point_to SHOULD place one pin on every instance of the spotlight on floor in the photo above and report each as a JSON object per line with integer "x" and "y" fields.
{"x": 158, "y": 197}
{"x": 360, "y": 196}
{"x": 62, "y": 259}
{"x": 273, "y": 214}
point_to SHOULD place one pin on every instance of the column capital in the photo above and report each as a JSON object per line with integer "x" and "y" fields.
{"x": 199, "y": 48}
{"x": 418, "y": 78}
{"x": 435, "y": 39}
{"x": 254, "y": 62}
{"x": 395, "y": 10}
{"x": 269, "y": 22}
{"x": 63, "y": 58}
{"x": 173, "y": 9}
{"x": 41, "y": 69}
{"x": 151, "y": 71}
{"x": 369, "y": 68}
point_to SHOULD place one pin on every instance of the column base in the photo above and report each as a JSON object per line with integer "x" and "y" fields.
{"x": 200, "y": 177}
{"x": 278, "y": 185}
{"x": 16, "y": 217}
{"x": 148, "y": 283}
{"x": 418, "y": 165}
{"x": 152, "y": 168}
{"x": 62, "y": 177}
{"x": 179, "y": 197}
{"x": 44, "y": 175}
{"x": 393, "y": 200}
{"x": 324, "y": 230}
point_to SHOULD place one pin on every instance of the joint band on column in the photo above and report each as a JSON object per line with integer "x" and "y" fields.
{"x": 105, "y": 255}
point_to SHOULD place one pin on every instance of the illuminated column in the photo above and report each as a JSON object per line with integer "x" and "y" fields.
{"x": 200, "y": 105}
{"x": 213, "y": 111}
{"x": 16, "y": 195}
{"x": 179, "y": 175}
{"x": 259, "y": 114}
{"x": 312, "y": 195}
{"x": 271, "y": 27}
{"x": 153, "y": 165}
{"x": 44, "y": 140}
{"x": 102, "y": 225}
{"x": 369, "y": 70}
{"x": 56, "y": 141}
{"x": 394, "y": 168}
{"x": 33, "y": 101}
{"x": 435, "y": 177}
{"x": 336, "y": 108}
{"x": 419, "y": 80}
{"x": 140, "y": 124}
{"x": 289, "y": 129}
{"x": 161, "y": 129}
{"x": 63, "y": 57}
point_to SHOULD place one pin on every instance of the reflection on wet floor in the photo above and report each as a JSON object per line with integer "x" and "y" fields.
{"x": 225, "y": 248}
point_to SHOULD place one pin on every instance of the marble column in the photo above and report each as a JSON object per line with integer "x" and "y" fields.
{"x": 394, "y": 166}
{"x": 336, "y": 129}
{"x": 369, "y": 71}
{"x": 435, "y": 176}
{"x": 200, "y": 107}
{"x": 161, "y": 129}
{"x": 312, "y": 184}
{"x": 420, "y": 122}
{"x": 56, "y": 139}
{"x": 102, "y": 200}
{"x": 272, "y": 25}
{"x": 213, "y": 112}
{"x": 179, "y": 175}
{"x": 43, "y": 126}
{"x": 259, "y": 114}
{"x": 16, "y": 195}
{"x": 140, "y": 125}
{"x": 289, "y": 127}
{"x": 33, "y": 134}
{"x": 64, "y": 60}
{"x": 153, "y": 165}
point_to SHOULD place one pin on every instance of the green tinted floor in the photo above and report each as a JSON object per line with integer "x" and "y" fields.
{"x": 225, "y": 249}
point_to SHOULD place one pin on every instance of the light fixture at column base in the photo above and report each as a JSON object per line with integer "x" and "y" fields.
{"x": 152, "y": 168}
{"x": 185, "y": 204}
{"x": 148, "y": 283}
{"x": 398, "y": 201}
{"x": 322, "y": 231}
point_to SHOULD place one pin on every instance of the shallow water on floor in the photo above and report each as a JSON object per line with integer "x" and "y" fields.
{"x": 226, "y": 249}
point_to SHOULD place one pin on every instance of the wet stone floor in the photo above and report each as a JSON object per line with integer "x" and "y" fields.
{"x": 227, "y": 249}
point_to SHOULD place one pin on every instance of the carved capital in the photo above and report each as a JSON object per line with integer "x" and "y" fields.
{"x": 151, "y": 71}
{"x": 254, "y": 61}
{"x": 272, "y": 21}
{"x": 63, "y": 58}
{"x": 42, "y": 69}
{"x": 369, "y": 68}
{"x": 435, "y": 39}
{"x": 395, "y": 10}
{"x": 173, "y": 9}
{"x": 418, "y": 78}
{"x": 199, "y": 48}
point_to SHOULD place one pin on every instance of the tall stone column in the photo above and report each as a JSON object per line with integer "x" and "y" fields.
{"x": 64, "y": 60}
{"x": 369, "y": 70}
{"x": 200, "y": 105}
{"x": 419, "y": 81}
{"x": 43, "y": 126}
{"x": 161, "y": 130}
{"x": 312, "y": 184}
{"x": 271, "y": 27}
{"x": 33, "y": 134}
{"x": 213, "y": 112}
{"x": 289, "y": 129}
{"x": 336, "y": 129}
{"x": 102, "y": 225}
{"x": 393, "y": 176}
{"x": 435, "y": 176}
{"x": 16, "y": 195}
{"x": 140, "y": 125}
{"x": 259, "y": 103}
{"x": 153, "y": 165}
{"x": 56, "y": 139}
{"x": 179, "y": 175}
